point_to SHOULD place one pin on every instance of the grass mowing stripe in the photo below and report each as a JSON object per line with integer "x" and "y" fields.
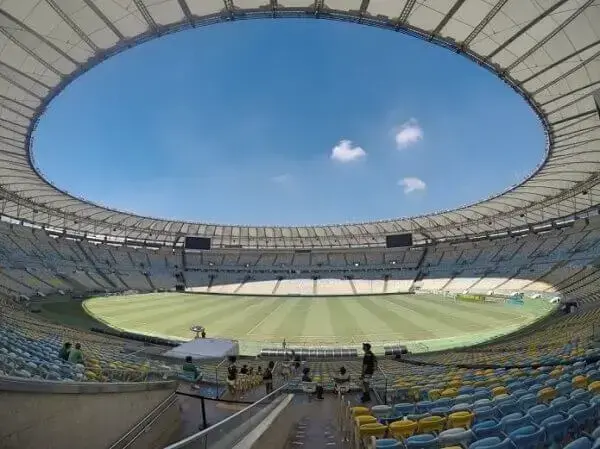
{"x": 318, "y": 320}
{"x": 295, "y": 322}
{"x": 402, "y": 321}
{"x": 479, "y": 321}
{"x": 253, "y": 315}
{"x": 476, "y": 309}
{"x": 169, "y": 309}
{"x": 432, "y": 317}
{"x": 272, "y": 322}
{"x": 217, "y": 318}
{"x": 342, "y": 318}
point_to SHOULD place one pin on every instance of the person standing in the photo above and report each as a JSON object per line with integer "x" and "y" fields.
{"x": 268, "y": 377}
{"x": 369, "y": 365}
{"x": 232, "y": 374}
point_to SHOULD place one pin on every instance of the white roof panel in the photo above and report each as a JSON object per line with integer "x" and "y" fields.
{"x": 547, "y": 50}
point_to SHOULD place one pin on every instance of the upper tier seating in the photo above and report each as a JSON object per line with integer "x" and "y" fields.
{"x": 33, "y": 262}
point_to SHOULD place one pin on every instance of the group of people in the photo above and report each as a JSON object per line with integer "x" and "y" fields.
{"x": 342, "y": 378}
{"x": 71, "y": 354}
{"x": 233, "y": 374}
{"x": 288, "y": 368}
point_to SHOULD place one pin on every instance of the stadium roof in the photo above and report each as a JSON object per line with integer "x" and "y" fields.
{"x": 547, "y": 50}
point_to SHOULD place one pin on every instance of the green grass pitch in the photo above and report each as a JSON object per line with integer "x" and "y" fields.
{"x": 422, "y": 322}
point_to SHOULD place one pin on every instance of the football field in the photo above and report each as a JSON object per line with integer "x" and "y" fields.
{"x": 422, "y": 322}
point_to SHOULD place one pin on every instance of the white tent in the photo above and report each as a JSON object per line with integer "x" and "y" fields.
{"x": 205, "y": 348}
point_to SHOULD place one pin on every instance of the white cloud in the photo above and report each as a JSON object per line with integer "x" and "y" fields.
{"x": 412, "y": 184}
{"x": 345, "y": 152}
{"x": 282, "y": 179}
{"x": 408, "y": 134}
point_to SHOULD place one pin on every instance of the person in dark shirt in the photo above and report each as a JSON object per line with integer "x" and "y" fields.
{"x": 268, "y": 377}
{"x": 369, "y": 366}
{"x": 64, "y": 351}
{"x": 244, "y": 369}
{"x": 232, "y": 372}
{"x": 306, "y": 375}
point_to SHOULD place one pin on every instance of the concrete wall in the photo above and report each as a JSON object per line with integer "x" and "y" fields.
{"x": 56, "y": 415}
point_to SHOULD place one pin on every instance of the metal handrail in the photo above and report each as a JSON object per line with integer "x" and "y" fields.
{"x": 143, "y": 424}
{"x": 197, "y": 436}
{"x": 385, "y": 377}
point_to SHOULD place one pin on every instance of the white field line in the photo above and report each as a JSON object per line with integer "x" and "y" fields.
{"x": 266, "y": 318}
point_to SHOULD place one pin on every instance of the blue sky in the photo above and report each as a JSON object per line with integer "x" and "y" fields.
{"x": 287, "y": 122}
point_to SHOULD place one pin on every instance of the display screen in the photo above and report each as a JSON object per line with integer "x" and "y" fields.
{"x": 197, "y": 243}
{"x": 398, "y": 240}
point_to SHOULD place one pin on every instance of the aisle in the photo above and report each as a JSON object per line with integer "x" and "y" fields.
{"x": 316, "y": 426}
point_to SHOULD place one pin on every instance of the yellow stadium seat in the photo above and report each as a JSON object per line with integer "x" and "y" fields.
{"x": 545, "y": 395}
{"x": 449, "y": 393}
{"x": 460, "y": 419}
{"x": 431, "y": 424}
{"x": 364, "y": 419}
{"x": 579, "y": 382}
{"x": 358, "y": 411}
{"x": 403, "y": 429}
{"x": 498, "y": 391}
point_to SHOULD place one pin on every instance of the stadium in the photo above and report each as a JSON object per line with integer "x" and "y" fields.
{"x": 483, "y": 318}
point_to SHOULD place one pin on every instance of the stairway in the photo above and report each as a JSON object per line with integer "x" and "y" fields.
{"x": 246, "y": 279}
{"x": 315, "y": 425}
{"x": 76, "y": 286}
{"x": 98, "y": 270}
{"x": 33, "y": 275}
{"x": 352, "y": 286}
{"x": 149, "y": 279}
{"x": 274, "y": 291}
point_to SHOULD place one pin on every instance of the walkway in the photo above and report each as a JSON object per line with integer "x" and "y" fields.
{"x": 316, "y": 425}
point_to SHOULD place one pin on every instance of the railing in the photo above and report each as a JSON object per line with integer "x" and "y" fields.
{"x": 145, "y": 424}
{"x": 227, "y": 433}
{"x": 380, "y": 384}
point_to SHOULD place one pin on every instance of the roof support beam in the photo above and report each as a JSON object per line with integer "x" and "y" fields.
{"x": 186, "y": 12}
{"x": 567, "y": 73}
{"x": 31, "y": 53}
{"x": 111, "y": 26}
{"x": 20, "y": 86}
{"x": 26, "y": 76}
{"x": 38, "y": 36}
{"x": 559, "y": 62}
{"x": 146, "y": 15}
{"x": 579, "y": 89}
{"x": 84, "y": 37}
{"x": 408, "y": 6}
{"x": 455, "y": 7}
{"x": 576, "y": 116}
{"x": 9, "y": 122}
{"x": 486, "y": 20}
{"x": 550, "y": 35}
{"x": 526, "y": 28}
